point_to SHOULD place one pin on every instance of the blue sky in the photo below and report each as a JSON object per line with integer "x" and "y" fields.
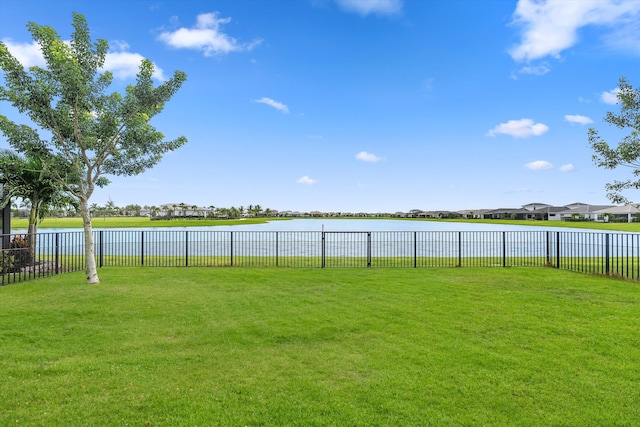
{"x": 364, "y": 105}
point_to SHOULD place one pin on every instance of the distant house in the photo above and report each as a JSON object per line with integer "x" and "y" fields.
{"x": 626, "y": 213}
{"x": 535, "y": 206}
{"x": 507, "y": 213}
{"x": 581, "y": 211}
{"x": 472, "y": 213}
{"x": 550, "y": 213}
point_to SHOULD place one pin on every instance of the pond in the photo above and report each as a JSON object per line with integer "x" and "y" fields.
{"x": 345, "y": 242}
{"x": 324, "y": 224}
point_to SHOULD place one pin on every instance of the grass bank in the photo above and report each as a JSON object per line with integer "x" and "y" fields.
{"x": 613, "y": 226}
{"x": 201, "y": 346}
{"x": 136, "y": 222}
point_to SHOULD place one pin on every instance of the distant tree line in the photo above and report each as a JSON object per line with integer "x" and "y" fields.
{"x": 168, "y": 211}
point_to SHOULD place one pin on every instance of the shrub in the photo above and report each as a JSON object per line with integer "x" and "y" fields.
{"x": 17, "y": 256}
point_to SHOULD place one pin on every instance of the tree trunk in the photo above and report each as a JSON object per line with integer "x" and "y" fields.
{"x": 89, "y": 249}
{"x": 32, "y": 232}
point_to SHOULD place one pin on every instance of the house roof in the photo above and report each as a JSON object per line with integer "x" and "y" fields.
{"x": 536, "y": 204}
{"x": 587, "y": 209}
{"x": 550, "y": 208}
{"x": 508, "y": 210}
{"x": 625, "y": 209}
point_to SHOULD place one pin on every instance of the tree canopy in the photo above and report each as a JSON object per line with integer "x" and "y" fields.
{"x": 627, "y": 152}
{"x": 22, "y": 177}
{"x": 92, "y": 133}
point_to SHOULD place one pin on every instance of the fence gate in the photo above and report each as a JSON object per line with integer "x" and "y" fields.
{"x": 346, "y": 249}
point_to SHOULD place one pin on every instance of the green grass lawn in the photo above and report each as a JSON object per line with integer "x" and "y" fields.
{"x": 613, "y": 226}
{"x": 135, "y": 221}
{"x": 332, "y": 347}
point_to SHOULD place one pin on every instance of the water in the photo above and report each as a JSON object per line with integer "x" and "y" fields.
{"x": 341, "y": 237}
{"x": 320, "y": 224}
{"x": 352, "y": 243}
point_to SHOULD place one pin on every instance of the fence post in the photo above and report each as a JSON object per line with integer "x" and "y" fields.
{"x": 57, "y": 253}
{"x": 322, "y": 251}
{"x": 459, "y": 248}
{"x": 547, "y": 248}
{"x": 100, "y": 247}
{"x": 276, "y": 248}
{"x": 606, "y": 256}
{"x": 142, "y": 248}
{"x": 369, "y": 249}
{"x": 557, "y": 249}
{"x": 186, "y": 249}
{"x": 415, "y": 249}
{"x": 504, "y": 248}
{"x": 231, "y": 248}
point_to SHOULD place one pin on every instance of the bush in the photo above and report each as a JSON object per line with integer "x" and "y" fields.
{"x": 17, "y": 256}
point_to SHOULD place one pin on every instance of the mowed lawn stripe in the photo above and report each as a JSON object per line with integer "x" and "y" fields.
{"x": 251, "y": 346}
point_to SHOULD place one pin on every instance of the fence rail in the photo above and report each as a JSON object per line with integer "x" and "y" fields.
{"x": 30, "y": 256}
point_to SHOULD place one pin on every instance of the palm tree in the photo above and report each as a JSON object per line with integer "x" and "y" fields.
{"x": 23, "y": 177}
{"x": 110, "y": 208}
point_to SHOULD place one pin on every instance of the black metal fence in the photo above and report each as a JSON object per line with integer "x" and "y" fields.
{"x": 25, "y": 257}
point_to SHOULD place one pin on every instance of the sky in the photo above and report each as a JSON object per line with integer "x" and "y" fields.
{"x": 363, "y": 105}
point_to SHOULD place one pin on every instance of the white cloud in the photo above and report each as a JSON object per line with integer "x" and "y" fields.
{"x": 125, "y": 65}
{"x": 306, "y": 180}
{"x": 567, "y": 168}
{"x": 28, "y": 54}
{"x": 539, "y": 165}
{"x": 368, "y": 157}
{"x": 522, "y": 128}
{"x": 610, "y": 97}
{"x": 206, "y": 36}
{"x": 275, "y": 104}
{"x": 365, "y": 7}
{"x": 625, "y": 37}
{"x": 537, "y": 70}
{"x": 576, "y": 118}
{"x": 122, "y": 64}
{"x": 549, "y": 27}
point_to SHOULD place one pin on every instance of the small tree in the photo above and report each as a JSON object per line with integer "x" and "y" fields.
{"x": 22, "y": 177}
{"x": 92, "y": 133}
{"x": 627, "y": 153}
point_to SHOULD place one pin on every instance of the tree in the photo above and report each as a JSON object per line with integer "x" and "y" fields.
{"x": 22, "y": 178}
{"x": 132, "y": 210}
{"x": 93, "y": 133}
{"x": 110, "y": 208}
{"x": 627, "y": 153}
